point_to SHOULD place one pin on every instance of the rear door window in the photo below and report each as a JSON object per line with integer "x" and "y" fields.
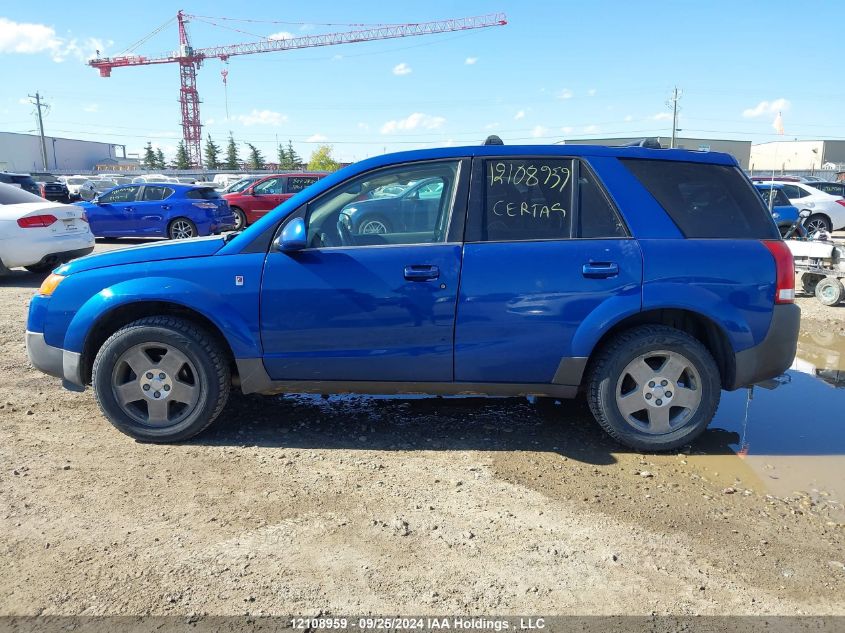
{"x": 298, "y": 183}
{"x": 706, "y": 200}
{"x": 154, "y": 193}
{"x": 596, "y": 216}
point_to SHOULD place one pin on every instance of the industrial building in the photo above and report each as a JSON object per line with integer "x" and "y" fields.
{"x": 805, "y": 156}
{"x": 23, "y": 153}
{"x": 741, "y": 150}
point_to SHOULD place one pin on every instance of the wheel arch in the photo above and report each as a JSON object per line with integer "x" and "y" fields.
{"x": 697, "y": 325}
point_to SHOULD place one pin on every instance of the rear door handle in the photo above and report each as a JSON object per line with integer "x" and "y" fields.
{"x": 600, "y": 270}
{"x": 418, "y": 272}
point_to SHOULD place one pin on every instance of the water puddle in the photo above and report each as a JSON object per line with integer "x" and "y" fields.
{"x": 790, "y": 440}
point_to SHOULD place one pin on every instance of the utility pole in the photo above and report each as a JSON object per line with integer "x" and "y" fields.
{"x": 673, "y": 105}
{"x": 40, "y": 105}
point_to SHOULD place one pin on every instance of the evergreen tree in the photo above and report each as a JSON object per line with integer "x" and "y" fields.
{"x": 233, "y": 161}
{"x": 256, "y": 160}
{"x": 321, "y": 159}
{"x": 159, "y": 160}
{"x": 182, "y": 159}
{"x": 212, "y": 154}
{"x": 282, "y": 157}
{"x": 293, "y": 157}
{"x": 149, "y": 161}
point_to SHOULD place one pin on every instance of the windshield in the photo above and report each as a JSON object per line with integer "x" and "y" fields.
{"x": 240, "y": 185}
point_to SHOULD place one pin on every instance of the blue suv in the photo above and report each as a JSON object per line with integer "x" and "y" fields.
{"x": 647, "y": 279}
{"x": 159, "y": 210}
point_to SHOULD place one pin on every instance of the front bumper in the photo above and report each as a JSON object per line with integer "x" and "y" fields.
{"x": 775, "y": 353}
{"x": 54, "y": 361}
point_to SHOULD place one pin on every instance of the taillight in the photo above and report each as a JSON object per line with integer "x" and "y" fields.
{"x": 841, "y": 201}
{"x": 784, "y": 271}
{"x": 36, "y": 221}
{"x": 43, "y": 189}
{"x": 84, "y": 217}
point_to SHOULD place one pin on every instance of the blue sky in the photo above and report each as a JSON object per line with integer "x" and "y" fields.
{"x": 557, "y": 70}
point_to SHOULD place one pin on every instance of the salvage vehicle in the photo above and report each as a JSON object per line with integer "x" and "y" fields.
{"x": 266, "y": 193}
{"x": 37, "y": 234}
{"x": 158, "y": 210}
{"x": 647, "y": 279}
{"x": 820, "y": 261}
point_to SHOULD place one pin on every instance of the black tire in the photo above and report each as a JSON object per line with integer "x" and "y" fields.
{"x": 240, "y": 219}
{"x": 209, "y": 371}
{"x": 809, "y": 281}
{"x": 818, "y": 222}
{"x": 181, "y": 229}
{"x": 374, "y": 220}
{"x": 42, "y": 268}
{"x": 607, "y": 375}
{"x": 829, "y": 291}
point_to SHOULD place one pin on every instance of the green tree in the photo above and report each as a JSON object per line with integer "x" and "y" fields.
{"x": 212, "y": 154}
{"x": 233, "y": 161}
{"x": 149, "y": 156}
{"x": 282, "y": 157}
{"x": 256, "y": 160}
{"x": 182, "y": 160}
{"x": 159, "y": 160}
{"x": 321, "y": 159}
{"x": 293, "y": 157}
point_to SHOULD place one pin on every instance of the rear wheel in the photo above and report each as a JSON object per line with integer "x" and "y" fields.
{"x": 182, "y": 229}
{"x": 374, "y": 225}
{"x": 817, "y": 222}
{"x": 161, "y": 379}
{"x": 240, "y": 218}
{"x": 43, "y": 267}
{"x": 829, "y": 291}
{"x": 654, "y": 388}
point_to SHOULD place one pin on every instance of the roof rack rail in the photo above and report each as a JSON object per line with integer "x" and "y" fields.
{"x": 650, "y": 143}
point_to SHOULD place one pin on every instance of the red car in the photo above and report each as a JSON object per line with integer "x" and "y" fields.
{"x": 266, "y": 194}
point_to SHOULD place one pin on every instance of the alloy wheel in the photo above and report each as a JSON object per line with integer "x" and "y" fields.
{"x": 181, "y": 229}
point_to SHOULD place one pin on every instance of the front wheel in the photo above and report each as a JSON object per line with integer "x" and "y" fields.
{"x": 654, "y": 388}
{"x": 817, "y": 222}
{"x": 182, "y": 229}
{"x": 240, "y": 218}
{"x": 374, "y": 225}
{"x": 161, "y": 379}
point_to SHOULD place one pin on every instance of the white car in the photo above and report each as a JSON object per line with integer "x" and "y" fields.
{"x": 92, "y": 188}
{"x": 827, "y": 212}
{"x": 39, "y": 235}
{"x": 73, "y": 184}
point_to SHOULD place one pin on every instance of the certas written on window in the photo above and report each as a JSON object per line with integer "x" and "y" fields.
{"x": 408, "y": 204}
{"x": 527, "y": 199}
{"x": 298, "y": 183}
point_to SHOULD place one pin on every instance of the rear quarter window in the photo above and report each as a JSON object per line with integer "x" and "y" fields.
{"x": 202, "y": 193}
{"x": 706, "y": 200}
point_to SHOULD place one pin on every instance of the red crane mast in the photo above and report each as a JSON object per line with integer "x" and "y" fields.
{"x": 190, "y": 59}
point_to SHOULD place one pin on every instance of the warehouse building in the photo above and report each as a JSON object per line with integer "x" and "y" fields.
{"x": 808, "y": 156}
{"x": 741, "y": 150}
{"x": 23, "y": 153}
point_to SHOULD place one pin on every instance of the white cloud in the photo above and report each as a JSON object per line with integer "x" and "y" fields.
{"x": 591, "y": 92}
{"x": 402, "y": 69}
{"x": 766, "y": 107}
{"x": 281, "y": 35}
{"x": 29, "y": 38}
{"x": 492, "y": 126}
{"x": 519, "y": 115}
{"x": 539, "y": 131}
{"x": 566, "y": 93}
{"x": 316, "y": 138}
{"x": 629, "y": 118}
{"x": 662, "y": 116}
{"x": 566, "y": 129}
{"x": 91, "y": 107}
{"x": 412, "y": 122}
{"x": 469, "y": 61}
{"x": 363, "y": 126}
{"x": 262, "y": 117}
{"x": 592, "y": 129}
{"x": 23, "y": 101}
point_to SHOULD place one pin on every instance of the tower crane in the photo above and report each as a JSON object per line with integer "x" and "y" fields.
{"x": 190, "y": 59}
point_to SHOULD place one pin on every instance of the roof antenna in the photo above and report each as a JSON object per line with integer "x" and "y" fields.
{"x": 492, "y": 140}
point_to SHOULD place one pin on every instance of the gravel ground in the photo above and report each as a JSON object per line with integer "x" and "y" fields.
{"x": 300, "y": 504}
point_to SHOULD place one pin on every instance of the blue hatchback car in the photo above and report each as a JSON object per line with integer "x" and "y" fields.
{"x": 646, "y": 279}
{"x": 782, "y": 210}
{"x": 159, "y": 210}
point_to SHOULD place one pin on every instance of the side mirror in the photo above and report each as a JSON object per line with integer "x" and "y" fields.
{"x": 292, "y": 237}
{"x": 805, "y": 213}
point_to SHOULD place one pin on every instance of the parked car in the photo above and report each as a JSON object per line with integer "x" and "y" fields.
{"x": 38, "y": 234}
{"x": 418, "y": 202}
{"x": 783, "y": 212}
{"x": 90, "y": 189}
{"x": 832, "y": 188}
{"x": 266, "y": 193}
{"x": 50, "y": 187}
{"x": 240, "y": 185}
{"x": 24, "y": 181}
{"x": 546, "y": 270}
{"x": 158, "y": 210}
{"x": 827, "y": 212}
{"x": 73, "y": 184}
{"x": 153, "y": 178}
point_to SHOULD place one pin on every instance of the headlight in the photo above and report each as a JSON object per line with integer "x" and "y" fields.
{"x": 50, "y": 284}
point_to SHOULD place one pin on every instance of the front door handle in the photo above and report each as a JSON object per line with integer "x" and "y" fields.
{"x": 418, "y": 272}
{"x": 166, "y": 207}
{"x": 600, "y": 270}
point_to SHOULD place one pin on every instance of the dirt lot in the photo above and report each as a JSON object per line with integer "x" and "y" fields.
{"x": 300, "y": 505}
